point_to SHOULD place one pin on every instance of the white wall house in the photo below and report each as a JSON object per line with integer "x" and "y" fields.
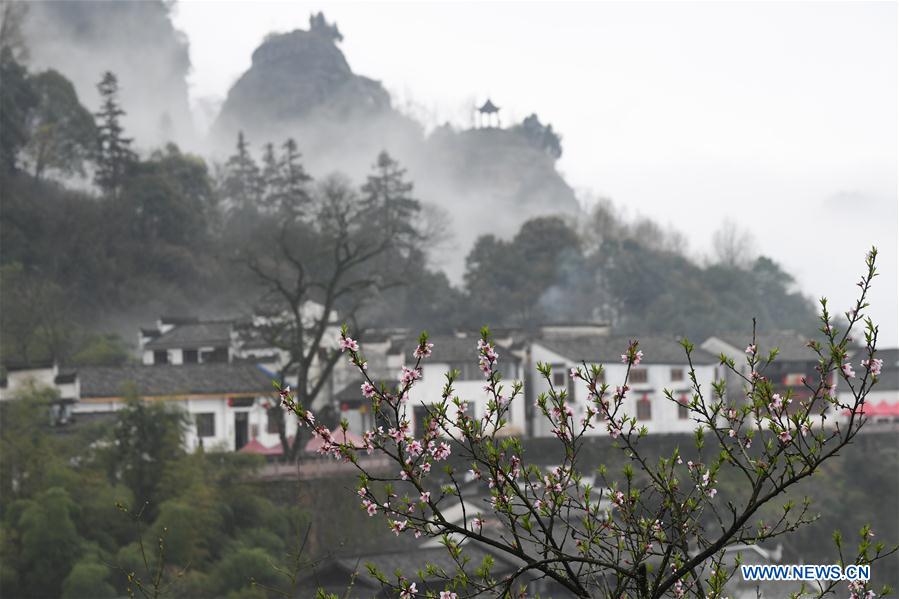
{"x": 186, "y": 341}
{"x": 229, "y": 404}
{"x": 17, "y": 380}
{"x": 461, "y": 353}
{"x": 388, "y": 354}
{"x": 664, "y": 366}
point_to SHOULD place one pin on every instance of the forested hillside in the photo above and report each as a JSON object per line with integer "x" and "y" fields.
{"x": 166, "y": 232}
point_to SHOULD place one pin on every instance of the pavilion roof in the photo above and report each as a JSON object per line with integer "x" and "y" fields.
{"x": 488, "y": 107}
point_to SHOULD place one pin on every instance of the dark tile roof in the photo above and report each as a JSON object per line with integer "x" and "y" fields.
{"x": 603, "y": 350}
{"x": 792, "y": 346}
{"x": 451, "y": 349}
{"x": 170, "y": 380}
{"x": 13, "y": 365}
{"x": 178, "y": 320}
{"x": 194, "y": 335}
{"x": 66, "y": 376}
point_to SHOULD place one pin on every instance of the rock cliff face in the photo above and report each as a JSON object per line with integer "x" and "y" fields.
{"x": 298, "y": 75}
{"x": 300, "y": 85}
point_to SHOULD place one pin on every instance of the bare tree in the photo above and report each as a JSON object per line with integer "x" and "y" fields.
{"x": 733, "y": 245}
{"x": 329, "y": 260}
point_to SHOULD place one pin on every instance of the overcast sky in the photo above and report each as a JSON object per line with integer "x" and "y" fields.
{"x": 781, "y": 116}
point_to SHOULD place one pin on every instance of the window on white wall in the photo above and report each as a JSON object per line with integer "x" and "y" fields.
{"x": 683, "y": 407}
{"x": 271, "y": 426}
{"x": 559, "y": 376}
{"x": 638, "y": 375}
{"x": 644, "y": 408}
{"x": 677, "y": 374}
{"x": 205, "y": 424}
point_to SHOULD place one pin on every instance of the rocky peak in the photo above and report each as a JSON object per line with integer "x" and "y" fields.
{"x": 295, "y": 76}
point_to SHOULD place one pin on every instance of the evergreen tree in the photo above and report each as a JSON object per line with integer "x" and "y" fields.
{"x": 115, "y": 159}
{"x": 388, "y": 204}
{"x": 271, "y": 177}
{"x": 242, "y": 186}
{"x": 294, "y": 196}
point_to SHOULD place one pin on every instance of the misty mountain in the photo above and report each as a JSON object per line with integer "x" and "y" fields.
{"x": 135, "y": 40}
{"x": 300, "y": 84}
{"x": 487, "y": 180}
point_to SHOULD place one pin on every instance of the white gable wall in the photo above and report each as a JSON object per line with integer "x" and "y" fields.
{"x": 664, "y": 417}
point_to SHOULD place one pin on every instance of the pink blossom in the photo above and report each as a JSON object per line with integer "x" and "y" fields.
{"x": 785, "y": 436}
{"x": 423, "y": 350}
{"x": 707, "y": 483}
{"x": 477, "y": 523}
{"x": 441, "y": 452}
{"x": 348, "y": 344}
{"x": 368, "y": 390}
{"x": 776, "y": 403}
{"x": 425, "y": 497}
{"x": 847, "y": 370}
{"x": 397, "y": 526}
{"x": 415, "y": 448}
{"x": 614, "y": 430}
{"x": 731, "y": 433}
{"x": 409, "y": 375}
{"x": 874, "y": 365}
{"x": 371, "y": 508}
{"x": 573, "y": 373}
{"x": 487, "y": 357}
{"x": 426, "y": 467}
{"x": 515, "y": 463}
{"x": 408, "y": 592}
{"x": 751, "y": 349}
{"x": 310, "y": 418}
{"x": 362, "y": 492}
{"x": 284, "y": 393}
{"x": 448, "y": 595}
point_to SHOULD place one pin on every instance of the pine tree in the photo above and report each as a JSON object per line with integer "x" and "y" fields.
{"x": 271, "y": 177}
{"x": 115, "y": 159}
{"x": 242, "y": 188}
{"x": 294, "y": 196}
{"x": 388, "y": 203}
